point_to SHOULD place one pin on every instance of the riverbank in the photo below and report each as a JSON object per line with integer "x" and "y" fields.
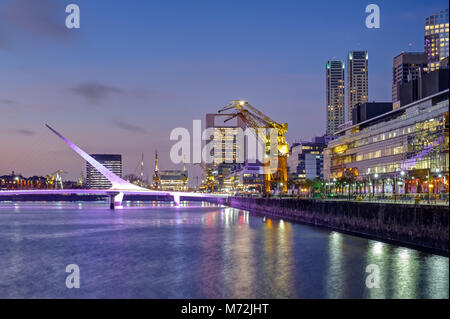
{"x": 423, "y": 227}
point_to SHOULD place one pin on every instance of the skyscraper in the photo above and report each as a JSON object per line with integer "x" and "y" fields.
{"x": 335, "y": 73}
{"x": 357, "y": 80}
{"x": 226, "y": 143}
{"x": 436, "y": 38}
{"x": 407, "y": 66}
{"x": 94, "y": 179}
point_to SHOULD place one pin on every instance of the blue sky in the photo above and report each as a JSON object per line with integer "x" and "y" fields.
{"x": 138, "y": 69}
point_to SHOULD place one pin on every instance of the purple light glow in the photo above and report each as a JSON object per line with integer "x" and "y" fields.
{"x": 119, "y": 187}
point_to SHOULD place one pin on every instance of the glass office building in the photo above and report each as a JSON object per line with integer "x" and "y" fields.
{"x": 306, "y": 161}
{"x": 436, "y": 38}
{"x": 94, "y": 179}
{"x": 406, "y": 149}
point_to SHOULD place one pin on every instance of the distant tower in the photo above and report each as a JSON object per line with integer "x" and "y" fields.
{"x": 357, "y": 80}
{"x": 156, "y": 176}
{"x": 407, "y": 67}
{"x": 335, "y": 74}
{"x": 436, "y": 38}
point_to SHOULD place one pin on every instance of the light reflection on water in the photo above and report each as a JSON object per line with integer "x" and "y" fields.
{"x": 153, "y": 250}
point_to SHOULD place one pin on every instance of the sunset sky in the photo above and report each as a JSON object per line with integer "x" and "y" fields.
{"x": 136, "y": 70}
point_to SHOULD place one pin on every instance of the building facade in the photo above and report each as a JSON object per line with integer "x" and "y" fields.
{"x": 306, "y": 160}
{"x": 366, "y": 111}
{"x": 94, "y": 179}
{"x": 436, "y": 38}
{"x": 247, "y": 178}
{"x": 407, "y": 149}
{"x": 335, "y": 77}
{"x": 225, "y": 139}
{"x": 425, "y": 85}
{"x": 174, "y": 180}
{"x": 357, "y": 80}
{"x": 407, "y": 67}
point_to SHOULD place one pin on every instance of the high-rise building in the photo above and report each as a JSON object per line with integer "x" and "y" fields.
{"x": 335, "y": 95}
{"x": 306, "y": 160}
{"x": 436, "y": 38}
{"x": 407, "y": 66}
{"x": 94, "y": 179}
{"x": 425, "y": 85}
{"x": 226, "y": 143}
{"x": 357, "y": 80}
{"x": 402, "y": 151}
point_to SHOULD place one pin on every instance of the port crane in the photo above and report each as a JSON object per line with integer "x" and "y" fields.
{"x": 54, "y": 179}
{"x": 262, "y": 125}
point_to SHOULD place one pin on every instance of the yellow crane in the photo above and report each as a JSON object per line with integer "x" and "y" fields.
{"x": 54, "y": 179}
{"x": 262, "y": 124}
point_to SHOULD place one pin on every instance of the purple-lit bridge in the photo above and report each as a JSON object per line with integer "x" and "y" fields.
{"x": 116, "y": 193}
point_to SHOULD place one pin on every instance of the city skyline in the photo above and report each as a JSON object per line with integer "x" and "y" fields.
{"x": 148, "y": 90}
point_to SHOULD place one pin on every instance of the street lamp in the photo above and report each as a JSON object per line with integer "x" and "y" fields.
{"x": 375, "y": 176}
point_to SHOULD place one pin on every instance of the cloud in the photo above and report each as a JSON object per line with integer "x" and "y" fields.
{"x": 25, "y": 132}
{"x": 43, "y": 17}
{"x": 6, "y": 101}
{"x": 129, "y": 127}
{"x": 94, "y": 91}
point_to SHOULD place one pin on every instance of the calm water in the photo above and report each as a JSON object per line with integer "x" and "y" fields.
{"x": 197, "y": 252}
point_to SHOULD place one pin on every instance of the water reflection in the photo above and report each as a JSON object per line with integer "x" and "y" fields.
{"x": 436, "y": 278}
{"x": 278, "y": 263}
{"x": 376, "y": 255}
{"x": 152, "y": 250}
{"x": 405, "y": 277}
{"x": 336, "y": 272}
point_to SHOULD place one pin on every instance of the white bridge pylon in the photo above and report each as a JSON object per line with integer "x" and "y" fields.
{"x": 120, "y": 187}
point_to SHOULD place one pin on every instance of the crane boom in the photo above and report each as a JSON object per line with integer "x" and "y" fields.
{"x": 262, "y": 124}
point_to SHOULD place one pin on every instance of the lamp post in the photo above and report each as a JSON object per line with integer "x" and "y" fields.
{"x": 403, "y": 174}
{"x": 374, "y": 183}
